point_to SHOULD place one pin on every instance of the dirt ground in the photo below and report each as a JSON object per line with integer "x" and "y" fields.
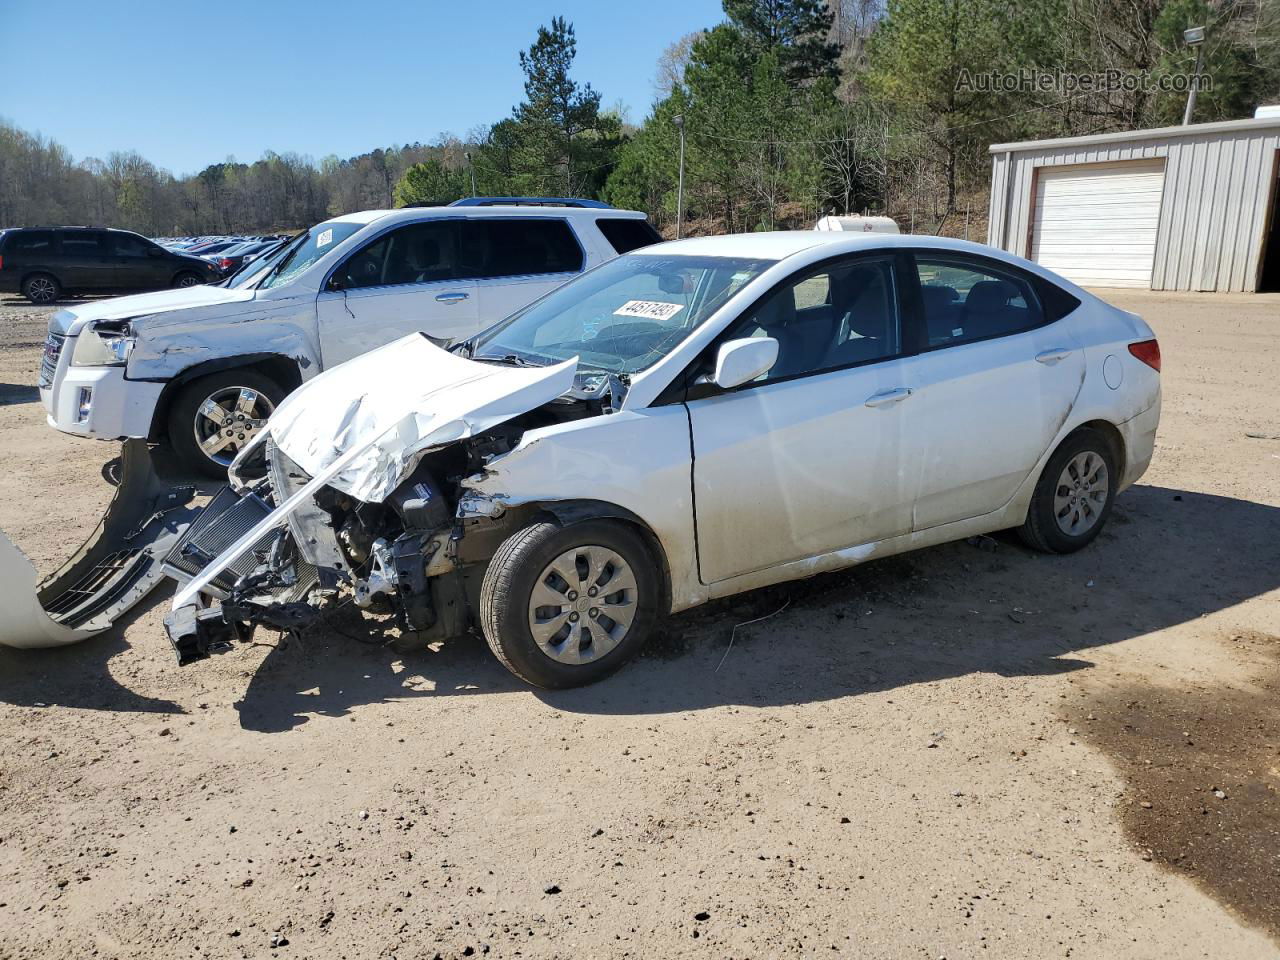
{"x": 969, "y": 751}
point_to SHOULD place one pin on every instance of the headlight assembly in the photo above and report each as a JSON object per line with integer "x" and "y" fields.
{"x": 103, "y": 346}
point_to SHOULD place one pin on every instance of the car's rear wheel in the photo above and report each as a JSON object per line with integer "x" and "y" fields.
{"x": 214, "y": 417}
{"x": 188, "y": 280}
{"x": 564, "y": 606}
{"x": 41, "y": 288}
{"x": 1074, "y": 495}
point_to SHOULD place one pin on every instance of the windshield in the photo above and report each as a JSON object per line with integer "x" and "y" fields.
{"x": 309, "y": 248}
{"x": 621, "y": 317}
{"x": 252, "y": 270}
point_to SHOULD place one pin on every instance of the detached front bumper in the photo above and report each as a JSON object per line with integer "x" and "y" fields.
{"x": 98, "y": 402}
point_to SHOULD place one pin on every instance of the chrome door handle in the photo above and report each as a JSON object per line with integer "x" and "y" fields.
{"x": 1053, "y": 356}
{"x": 450, "y": 297}
{"x": 886, "y": 397}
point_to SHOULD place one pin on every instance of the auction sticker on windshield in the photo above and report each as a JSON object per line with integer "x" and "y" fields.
{"x": 325, "y": 238}
{"x": 651, "y": 309}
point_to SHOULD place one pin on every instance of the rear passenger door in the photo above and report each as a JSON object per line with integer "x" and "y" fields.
{"x": 404, "y": 280}
{"x": 515, "y": 261}
{"x": 85, "y": 260}
{"x": 994, "y": 379}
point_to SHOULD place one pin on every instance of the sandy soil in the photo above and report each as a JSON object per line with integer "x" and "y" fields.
{"x": 970, "y": 751}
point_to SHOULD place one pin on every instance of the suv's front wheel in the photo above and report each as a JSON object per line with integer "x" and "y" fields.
{"x": 41, "y": 288}
{"x": 214, "y": 417}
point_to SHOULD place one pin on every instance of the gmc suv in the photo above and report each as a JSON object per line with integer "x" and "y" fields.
{"x": 204, "y": 367}
{"x": 44, "y": 263}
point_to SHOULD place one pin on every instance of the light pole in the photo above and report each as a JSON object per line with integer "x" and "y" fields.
{"x": 1193, "y": 38}
{"x": 679, "y": 122}
{"x": 472, "y": 167}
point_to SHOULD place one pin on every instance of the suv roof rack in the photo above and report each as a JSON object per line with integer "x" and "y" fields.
{"x": 531, "y": 202}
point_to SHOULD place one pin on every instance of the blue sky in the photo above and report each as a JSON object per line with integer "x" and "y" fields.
{"x": 177, "y": 80}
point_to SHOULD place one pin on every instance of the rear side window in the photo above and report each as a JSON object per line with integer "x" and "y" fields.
{"x": 627, "y": 234}
{"x": 966, "y": 300}
{"x": 86, "y": 243}
{"x": 33, "y": 243}
{"x": 519, "y": 247}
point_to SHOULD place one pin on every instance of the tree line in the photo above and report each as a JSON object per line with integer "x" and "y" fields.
{"x": 790, "y": 109}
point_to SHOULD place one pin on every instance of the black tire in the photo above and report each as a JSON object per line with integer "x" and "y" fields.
{"x": 184, "y": 415}
{"x": 512, "y": 574}
{"x": 42, "y": 289}
{"x": 1042, "y": 530}
{"x": 188, "y": 279}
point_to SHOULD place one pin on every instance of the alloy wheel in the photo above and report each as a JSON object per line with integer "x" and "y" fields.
{"x": 228, "y": 419}
{"x": 41, "y": 290}
{"x": 582, "y": 604}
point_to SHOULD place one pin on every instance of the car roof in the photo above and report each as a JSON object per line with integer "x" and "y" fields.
{"x": 412, "y": 214}
{"x": 781, "y": 244}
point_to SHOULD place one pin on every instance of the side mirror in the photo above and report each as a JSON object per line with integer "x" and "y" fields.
{"x": 741, "y": 361}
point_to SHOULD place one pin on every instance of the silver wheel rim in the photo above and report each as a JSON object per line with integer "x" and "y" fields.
{"x": 1081, "y": 494}
{"x": 188, "y": 281}
{"x": 582, "y": 605}
{"x": 41, "y": 290}
{"x": 228, "y": 419}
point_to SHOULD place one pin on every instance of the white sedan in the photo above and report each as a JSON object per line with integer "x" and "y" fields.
{"x": 685, "y": 422}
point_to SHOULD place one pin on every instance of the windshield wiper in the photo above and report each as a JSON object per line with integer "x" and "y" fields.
{"x": 509, "y": 358}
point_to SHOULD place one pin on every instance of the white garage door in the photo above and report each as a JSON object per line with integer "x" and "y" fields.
{"x": 1097, "y": 225}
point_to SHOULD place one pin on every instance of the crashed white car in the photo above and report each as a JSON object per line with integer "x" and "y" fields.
{"x": 685, "y": 422}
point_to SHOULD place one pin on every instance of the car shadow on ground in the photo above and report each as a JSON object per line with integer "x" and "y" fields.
{"x": 1167, "y": 557}
{"x": 11, "y": 393}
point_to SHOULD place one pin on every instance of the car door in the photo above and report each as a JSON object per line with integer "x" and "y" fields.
{"x": 138, "y": 263}
{"x": 85, "y": 260}
{"x": 516, "y": 260}
{"x": 404, "y": 280}
{"x": 991, "y": 385}
{"x": 805, "y": 460}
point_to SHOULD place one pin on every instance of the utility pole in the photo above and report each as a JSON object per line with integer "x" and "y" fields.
{"x": 679, "y": 122}
{"x": 1194, "y": 38}
{"x": 472, "y": 168}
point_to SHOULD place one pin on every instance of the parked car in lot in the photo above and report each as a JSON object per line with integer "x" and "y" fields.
{"x": 203, "y": 368}
{"x": 684, "y": 422}
{"x": 234, "y": 257}
{"x": 46, "y": 263}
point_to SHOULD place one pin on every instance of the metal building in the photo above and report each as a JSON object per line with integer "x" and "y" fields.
{"x": 1176, "y": 208}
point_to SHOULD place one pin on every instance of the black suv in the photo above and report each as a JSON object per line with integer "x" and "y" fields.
{"x": 43, "y": 263}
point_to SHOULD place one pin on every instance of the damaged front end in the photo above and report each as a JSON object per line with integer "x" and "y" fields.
{"x": 356, "y": 494}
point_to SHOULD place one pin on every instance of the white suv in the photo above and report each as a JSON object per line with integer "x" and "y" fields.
{"x": 203, "y": 367}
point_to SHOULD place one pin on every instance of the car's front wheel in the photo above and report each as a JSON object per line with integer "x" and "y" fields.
{"x": 1074, "y": 495}
{"x": 41, "y": 289}
{"x": 564, "y": 606}
{"x": 214, "y": 417}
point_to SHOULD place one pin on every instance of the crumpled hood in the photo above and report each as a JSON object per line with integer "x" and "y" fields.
{"x": 72, "y": 320}
{"x": 399, "y": 401}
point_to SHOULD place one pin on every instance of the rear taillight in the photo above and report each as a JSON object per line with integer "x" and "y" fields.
{"x": 1, "y": 262}
{"x": 1148, "y": 351}
{"x": 225, "y": 263}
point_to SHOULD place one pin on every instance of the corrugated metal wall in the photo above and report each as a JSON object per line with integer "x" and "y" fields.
{"x": 1217, "y": 190}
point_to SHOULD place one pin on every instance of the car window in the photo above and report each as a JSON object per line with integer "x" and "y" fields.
{"x": 965, "y": 300}
{"x": 518, "y": 247}
{"x": 623, "y": 316}
{"x": 841, "y": 315}
{"x": 30, "y": 242}
{"x": 83, "y": 243}
{"x": 417, "y": 253}
{"x": 130, "y": 245}
{"x": 627, "y": 233}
